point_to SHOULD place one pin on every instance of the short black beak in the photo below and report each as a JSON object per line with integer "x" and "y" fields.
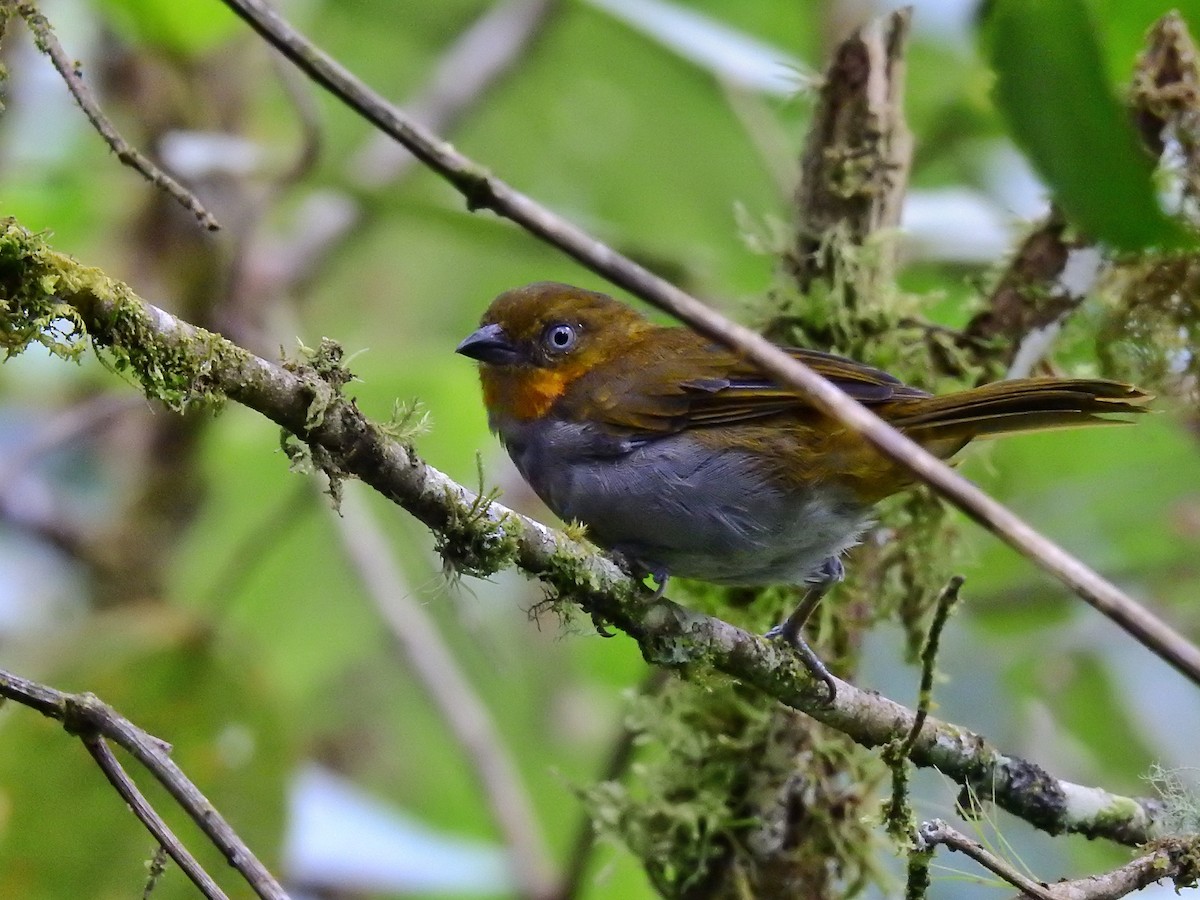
{"x": 489, "y": 344}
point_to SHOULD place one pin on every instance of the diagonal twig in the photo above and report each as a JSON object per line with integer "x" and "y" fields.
{"x": 938, "y": 832}
{"x": 482, "y": 190}
{"x": 87, "y": 717}
{"x": 1167, "y": 861}
{"x": 1170, "y": 859}
{"x": 154, "y": 823}
{"x": 48, "y": 43}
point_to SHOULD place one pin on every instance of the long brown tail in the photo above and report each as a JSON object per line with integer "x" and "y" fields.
{"x": 947, "y": 422}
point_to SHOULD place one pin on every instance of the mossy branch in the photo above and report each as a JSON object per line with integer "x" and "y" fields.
{"x": 183, "y": 365}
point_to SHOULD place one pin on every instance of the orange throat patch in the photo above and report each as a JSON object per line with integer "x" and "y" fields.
{"x": 524, "y": 395}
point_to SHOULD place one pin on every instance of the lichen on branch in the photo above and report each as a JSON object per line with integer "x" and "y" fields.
{"x": 50, "y": 299}
{"x": 184, "y": 365}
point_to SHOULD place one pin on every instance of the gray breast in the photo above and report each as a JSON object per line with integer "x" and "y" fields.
{"x": 671, "y": 503}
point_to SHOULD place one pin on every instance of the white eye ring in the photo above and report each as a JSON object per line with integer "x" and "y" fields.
{"x": 559, "y": 338}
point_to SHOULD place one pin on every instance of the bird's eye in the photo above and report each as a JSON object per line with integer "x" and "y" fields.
{"x": 559, "y": 338}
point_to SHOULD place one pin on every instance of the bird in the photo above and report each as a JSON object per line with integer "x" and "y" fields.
{"x": 683, "y": 459}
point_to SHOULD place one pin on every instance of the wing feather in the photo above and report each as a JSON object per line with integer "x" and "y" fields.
{"x": 686, "y": 381}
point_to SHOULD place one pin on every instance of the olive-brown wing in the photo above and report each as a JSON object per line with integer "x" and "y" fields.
{"x": 682, "y": 381}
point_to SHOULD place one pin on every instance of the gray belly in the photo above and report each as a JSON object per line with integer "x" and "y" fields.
{"x": 669, "y": 503}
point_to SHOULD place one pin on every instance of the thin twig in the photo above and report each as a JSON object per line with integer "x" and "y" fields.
{"x": 86, "y": 716}
{"x": 916, "y": 876}
{"x": 1172, "y": 859}
{"x": 148, "y": 751}
{"x": 154, "y": 823}
{"x": 898, "y": 812}
{"x": 946, "y": 602}
{"x": 938, "y": 832}
{"x": 1165, "y": 862}
{"x": 68, "y": 68}
{"x": 481, "y": 190}
{"x": 420, "y": 643}
{"x": 155, "y": 869}
{"x": 474, "y": 62}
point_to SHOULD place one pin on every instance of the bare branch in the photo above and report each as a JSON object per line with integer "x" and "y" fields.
{"x": 87, "y": 717}
{"x": 484, "y": 191}
{"x": 129, "y": 155}
{"x": 475, "y": 61}
{"x": 1169, "y": 861}
{"x": 141, "y": 808}
{"x": 938, "y": 832}
{"x": 420, "y": 644}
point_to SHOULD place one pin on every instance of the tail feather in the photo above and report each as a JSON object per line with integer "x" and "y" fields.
{"x": 1029, "y": 404}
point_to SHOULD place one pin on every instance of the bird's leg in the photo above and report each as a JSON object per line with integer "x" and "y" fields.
{"x": 659, "y": 575}
{"x": 792, "y": 630}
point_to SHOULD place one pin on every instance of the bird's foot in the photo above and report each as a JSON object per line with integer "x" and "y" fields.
{"x": 643, "y": 570}
{"x": 660, "y": 576}
{"x": 791, "y": 631}
{"x": 812, "y": 662}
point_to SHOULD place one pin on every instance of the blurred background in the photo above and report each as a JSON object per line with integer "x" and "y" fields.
{"x": 177, "y": 568}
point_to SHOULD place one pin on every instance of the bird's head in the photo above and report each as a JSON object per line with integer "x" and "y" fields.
{"x": 535, "y": 341}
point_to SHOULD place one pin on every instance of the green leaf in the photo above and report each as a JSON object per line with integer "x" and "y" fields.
{"x": 1053, "y": 89}
{"x": 183, "y": 28}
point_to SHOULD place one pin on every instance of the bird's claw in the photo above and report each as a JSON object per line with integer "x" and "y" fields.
{"x": 817, "y": 669}
{"x": 811, "y": 661}
{"x": 641, "y": 571}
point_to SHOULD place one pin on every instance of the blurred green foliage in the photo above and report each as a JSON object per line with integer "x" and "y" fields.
{"x": 186, "y": 29}
{"x": 264, "y": 652}
{"x": 1053, "y": 87}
